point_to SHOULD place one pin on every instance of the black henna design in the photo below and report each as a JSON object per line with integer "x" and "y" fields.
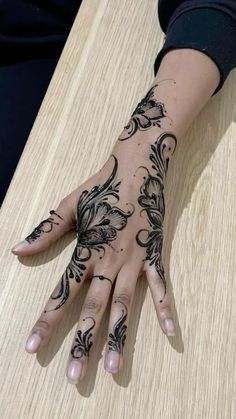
{"x": 148, "y": 113}
{"x": 83, "y": 344}
{"x": 118, "y": 336}
{"x": 152, "y": 201}
{"x": 101, "y": 277}
{"x": 97, "y": 223}
{"x": 48, "y": 222}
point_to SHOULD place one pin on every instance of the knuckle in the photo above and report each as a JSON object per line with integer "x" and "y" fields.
{"x": 165, "y": 310}
{"x": 63, "y": 201}
{"x": 93, "y": 305}
{"x": 42, "y": 327}
{"x": 124, "y": 297}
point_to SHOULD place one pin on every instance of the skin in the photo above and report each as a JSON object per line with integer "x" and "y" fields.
{"x": 118, "y": 216}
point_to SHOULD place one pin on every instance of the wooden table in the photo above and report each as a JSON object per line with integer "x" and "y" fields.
{"x": 105, "y": 68}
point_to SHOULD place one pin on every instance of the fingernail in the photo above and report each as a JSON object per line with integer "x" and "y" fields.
{"x": 112, "y": 361}
{"x": 20, "y": 245}
{"x": 169, "y": 326}
{"x": 74, "y": 371}
{"x": 33, "y": 343}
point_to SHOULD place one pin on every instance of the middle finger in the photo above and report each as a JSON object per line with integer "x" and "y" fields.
{"x": 90, "y": 319}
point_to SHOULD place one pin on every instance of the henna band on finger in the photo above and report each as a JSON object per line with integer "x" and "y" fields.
{"x": 102, "y": 277}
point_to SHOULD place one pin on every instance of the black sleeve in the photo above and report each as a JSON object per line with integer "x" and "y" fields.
{"x": 207, "y": 26}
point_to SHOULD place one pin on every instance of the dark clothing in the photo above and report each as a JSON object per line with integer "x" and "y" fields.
{"x": 22, "y": 88}
{"x": 32, "y": 37}
{"x": 206, "y": 25}
{"x": 35, "y": 28}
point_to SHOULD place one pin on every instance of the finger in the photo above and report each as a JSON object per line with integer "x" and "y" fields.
{"x": 119, "y": 317}
{"x": 62, "y": 295}
{"x": 49, "y": 230}
{"x": 89, "y": 321}
{"x": 161, "y": 298}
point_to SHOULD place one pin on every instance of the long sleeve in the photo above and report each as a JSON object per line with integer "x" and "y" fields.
{"x": 208, "y": 26}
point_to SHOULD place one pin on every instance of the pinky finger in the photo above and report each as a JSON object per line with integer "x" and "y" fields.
{"x": 161, "y": 299}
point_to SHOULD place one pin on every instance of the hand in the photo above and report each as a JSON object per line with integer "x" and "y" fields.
{"x": 118, "y": 217}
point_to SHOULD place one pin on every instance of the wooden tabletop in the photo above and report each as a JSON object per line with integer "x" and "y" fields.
{"x": 106, "y": 67}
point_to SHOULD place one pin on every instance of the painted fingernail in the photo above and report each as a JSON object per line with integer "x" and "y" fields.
{"x": 112, "y": 361}
{"x": 33, "y": 343}
{"x": 20, "y": 245}
{"x": 74, "y": 371}
{"x": 169, "y": 326}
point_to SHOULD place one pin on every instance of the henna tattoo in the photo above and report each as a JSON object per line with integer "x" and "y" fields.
{"x": 148, "y": 113}
{"x": 97, "y": 223}
{"x": 101, "y": 277}
{"x": 118, "y": 336}
{"x": 83, "y": 345}
{"x": 48, "y": 222}
{"x": 151, "y": 200}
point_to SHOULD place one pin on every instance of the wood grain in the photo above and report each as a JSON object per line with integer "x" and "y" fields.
{"x": 105, "y": 68}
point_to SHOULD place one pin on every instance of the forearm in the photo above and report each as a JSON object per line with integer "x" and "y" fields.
{"x": 184, "y": 82}
{"x": 196, "y": 77}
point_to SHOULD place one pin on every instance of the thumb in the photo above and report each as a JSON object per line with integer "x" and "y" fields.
{"x": 49, "y": 230}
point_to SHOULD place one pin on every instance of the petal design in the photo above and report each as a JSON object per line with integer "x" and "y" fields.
{"x": 147, "y": 113}
{"x": 117, "y": 218}
{"x": 97, "y": 223}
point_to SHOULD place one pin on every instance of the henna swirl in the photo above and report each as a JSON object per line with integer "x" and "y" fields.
{"x": 97, "y": 224}
{"x": 151, "y": 200}
{"x": 44, "y": 227}
{"x": 82, "y": 341}
{"x": 118, "y": 336}
{"x": 148, "y": 113}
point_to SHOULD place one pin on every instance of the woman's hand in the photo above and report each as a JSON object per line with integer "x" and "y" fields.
{"x": 118, "y": 216}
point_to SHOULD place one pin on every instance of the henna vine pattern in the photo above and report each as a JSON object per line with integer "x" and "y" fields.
{"x": 151, "y": 199}
{"x": 97, "y": 223}
{"x": 82, "y": 344}
{"x": 44, "y": 227}
{"x": 148, "y": 113}
{"x": 118, "y": 336}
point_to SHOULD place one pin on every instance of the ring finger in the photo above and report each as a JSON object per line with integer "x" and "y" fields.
{"x": 120, "y": 313}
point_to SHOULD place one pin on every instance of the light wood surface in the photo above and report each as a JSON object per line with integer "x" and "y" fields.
{"x": 105, "y": 68}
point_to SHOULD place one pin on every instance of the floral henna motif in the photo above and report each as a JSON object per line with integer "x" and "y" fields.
{"x": 97, "y": 223}
{"x": 151, "y": 199}
{"x": 44, "y": 227}
{"x": 118, "y": 336}
{"x": 148, "y": 113}
{"x": 83, "y": 344}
